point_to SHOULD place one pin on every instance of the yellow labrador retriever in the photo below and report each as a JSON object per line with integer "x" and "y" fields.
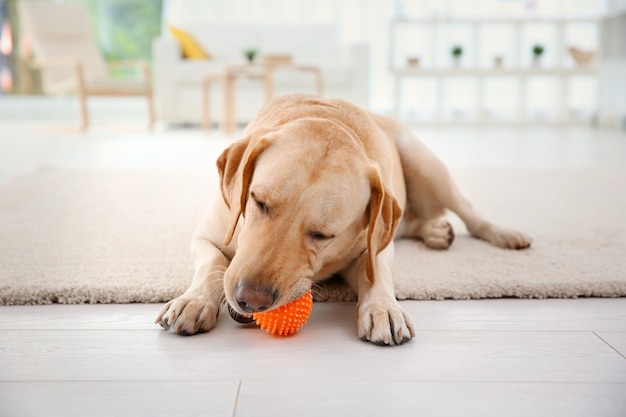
{"x": 314, "y": 188}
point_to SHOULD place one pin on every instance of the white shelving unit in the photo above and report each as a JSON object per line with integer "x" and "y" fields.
{"x": 519, "y": 66}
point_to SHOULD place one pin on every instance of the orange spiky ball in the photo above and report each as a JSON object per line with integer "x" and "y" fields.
{"x": 287, "y": 319}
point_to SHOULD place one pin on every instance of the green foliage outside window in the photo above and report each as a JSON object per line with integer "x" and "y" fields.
{"x": 124, "y": 29}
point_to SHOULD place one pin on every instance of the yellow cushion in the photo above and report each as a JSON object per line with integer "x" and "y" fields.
{"x": 191, "y": 48}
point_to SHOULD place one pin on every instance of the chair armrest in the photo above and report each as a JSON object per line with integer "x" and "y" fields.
{"x": 71, "y": 64}
{"x": 43, "y": 63}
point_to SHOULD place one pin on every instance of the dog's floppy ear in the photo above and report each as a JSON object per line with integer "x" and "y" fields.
{"x": 384, "y": 215}
{"x": 236, "y": 166}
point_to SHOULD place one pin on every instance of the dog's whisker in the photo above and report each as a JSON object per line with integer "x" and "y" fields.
{"x": 212, "y": 279}
{"x": 317, "y": 294}
{"x": 316, "y": 290}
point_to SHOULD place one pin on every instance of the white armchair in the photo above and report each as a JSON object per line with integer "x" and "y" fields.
{"x": 69, "y": 59}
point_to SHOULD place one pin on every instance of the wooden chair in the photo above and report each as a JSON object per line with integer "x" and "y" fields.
{"x": 58, "y": 40}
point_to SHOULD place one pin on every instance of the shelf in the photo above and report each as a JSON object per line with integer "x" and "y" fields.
{"x": 487, "y": 21}
{"x": 433, "y": 40}
{"x": 483, "y": 72}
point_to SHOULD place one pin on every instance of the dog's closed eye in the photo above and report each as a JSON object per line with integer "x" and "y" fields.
{"x": 259, "y": 203}
{"x": 320, "y": 236}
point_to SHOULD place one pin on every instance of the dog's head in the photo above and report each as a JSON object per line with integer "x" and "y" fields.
{"x": 308, "y": 202}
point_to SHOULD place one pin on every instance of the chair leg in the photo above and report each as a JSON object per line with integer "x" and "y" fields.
{"x": 268, "y": 81}
{"x": 84, "y": 113}
{"x": 151, "y": 117}
{"x": 149, "y": 95}
{"x": 319, "y": 83}
{"x": 228, "y": 104}
{"x": 206, "y": 104}
{"x": 82, "y": 97}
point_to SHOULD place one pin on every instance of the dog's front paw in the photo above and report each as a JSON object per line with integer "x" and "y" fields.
{"x": 188, "y": 315}
{"x": 385, "y": 324}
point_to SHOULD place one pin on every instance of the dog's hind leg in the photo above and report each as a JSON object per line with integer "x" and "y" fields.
{"x": 430, "y": 191}
{"x": 424, "y": 211}
{"x": 481, "y": 228}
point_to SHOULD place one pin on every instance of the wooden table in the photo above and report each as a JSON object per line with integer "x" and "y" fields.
{"x": 228, "y": 78}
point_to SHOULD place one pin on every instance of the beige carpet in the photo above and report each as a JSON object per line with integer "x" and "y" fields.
{"x": 120, "y": 237}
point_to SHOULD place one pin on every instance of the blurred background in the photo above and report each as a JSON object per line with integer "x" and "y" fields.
{"x": 424, "y": 61}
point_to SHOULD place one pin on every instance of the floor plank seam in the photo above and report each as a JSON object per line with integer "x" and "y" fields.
{"x": 237, "y": 399}
{"x": 609, "y": 345}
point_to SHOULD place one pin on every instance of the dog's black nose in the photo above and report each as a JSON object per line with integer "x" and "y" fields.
{"x": 254, "y": 300}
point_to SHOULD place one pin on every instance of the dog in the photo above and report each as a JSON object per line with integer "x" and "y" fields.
{"x": 314, "y": 188}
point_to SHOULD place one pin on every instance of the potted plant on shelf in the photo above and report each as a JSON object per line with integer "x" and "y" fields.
{"x": 250, "y": 54}
{"x": 457, "y": 53}
{"x": 538, "y": 50}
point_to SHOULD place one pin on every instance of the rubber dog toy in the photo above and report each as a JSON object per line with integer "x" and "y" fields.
{"x": 282, "y": 321}
{"x": 287, "y": 319}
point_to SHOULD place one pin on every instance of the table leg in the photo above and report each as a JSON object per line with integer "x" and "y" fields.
{"x": 319, "y": 81}
{"x": 317, "y": 74}
{"x": 228, "y": 118}
{"x": 224, "y": 117}
{"x": 268, "y": 80}
{"x": 206, "y": 114}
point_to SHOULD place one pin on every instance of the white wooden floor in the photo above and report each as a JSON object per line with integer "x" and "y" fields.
{"x": 502, "y": 357}
{"x": 469, "y": 358}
